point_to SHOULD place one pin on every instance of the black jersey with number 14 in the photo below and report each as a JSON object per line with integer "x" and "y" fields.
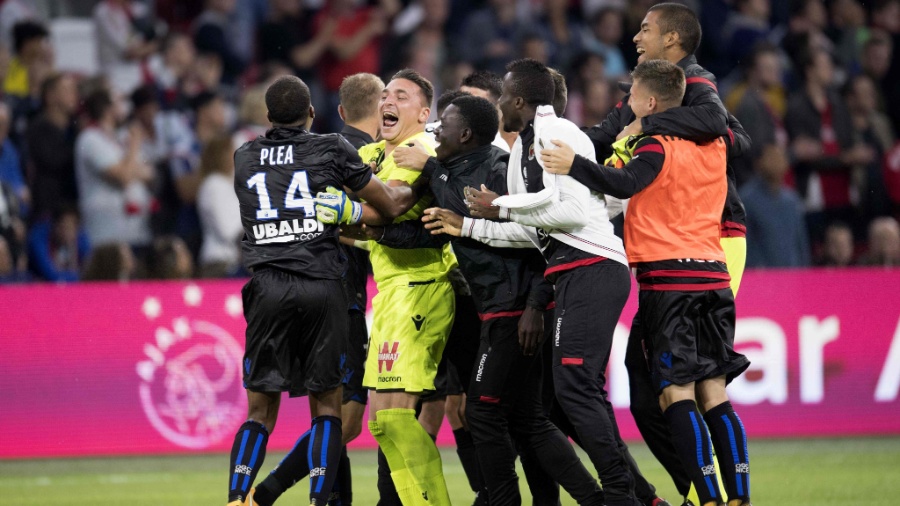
{"x": 276, "y": 179}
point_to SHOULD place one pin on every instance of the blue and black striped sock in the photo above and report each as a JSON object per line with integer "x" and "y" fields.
{"x": 691, "y": 439}
{"x": 730, "y": 441}
{"x": 292, "y": 468}
{"x": 247, "y": 455}
{"x": 323, "y": 457}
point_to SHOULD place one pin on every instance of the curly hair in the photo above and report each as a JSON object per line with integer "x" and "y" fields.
{"x": 288, "y": 101}
{"x": 480, "y": 115}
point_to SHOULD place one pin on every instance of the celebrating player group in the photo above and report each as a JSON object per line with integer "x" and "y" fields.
{"x": 490, "y": 235}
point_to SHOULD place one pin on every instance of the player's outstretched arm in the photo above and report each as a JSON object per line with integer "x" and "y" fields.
{"x": 385, "y": 201}
{"x": 620, "y": 183}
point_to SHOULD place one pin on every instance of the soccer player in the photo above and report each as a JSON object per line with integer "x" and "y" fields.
{"x": 686, "y": 305}
{"x": 295, "y": 304}
{"x": 672, "y": 32}
{"x": 504, "y": 397}
{"x": 413, "y": 309}
{"x": 586, "y": 262}
{"x": 359, "y": 94}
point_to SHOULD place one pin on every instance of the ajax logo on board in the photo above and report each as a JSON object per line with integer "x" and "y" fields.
{"x": 190, "y": 387}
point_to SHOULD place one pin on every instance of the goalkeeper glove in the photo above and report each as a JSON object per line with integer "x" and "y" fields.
{"x": 333, "y": 207}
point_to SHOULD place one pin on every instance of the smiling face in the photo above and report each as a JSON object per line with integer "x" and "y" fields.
{"x": 450, "y": 133}
{"x": 403, "y": 111}
{"x": 650, "y": 41}
{"x": 641, "y": 102}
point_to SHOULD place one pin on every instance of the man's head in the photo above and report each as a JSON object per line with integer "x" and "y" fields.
{"x": 772, "y": 164}
{"x": 145, "y": 103}
{"x": 838, "y": 247}
{"x": 658, "y": 86}
{"x": 99, "y": 106}
{"x": 30, "y": 40}
{"x": 764, "y": 67}
{"x": 288, "y": 102}
{"x": 527, "y": 85}
{"x": 446, "y": 97}
{"x": 359, "y": 96}
{"x": 467, "y": 123}
{"x": 818, "y": 68}
{"x": 179, "y": 53}
{"x": 209, "y": 111}
{"x": 669, "y": 31}
{"x": 405, "y": 106}
{"x": 884, "y": 241}
{"x": 560, "y": 92}
{"x": 484, "y": 84}
{"x": 66, "y": 221}
{"x": 60, "y": 91}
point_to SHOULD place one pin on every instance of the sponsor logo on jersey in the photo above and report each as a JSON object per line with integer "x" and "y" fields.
{"x": 558, "y": 327}
{"x": 387, "y": 356}
{"x": 418, "y": 320}
{"x": 481, "y": 366}
{"x": 303, "y": 229}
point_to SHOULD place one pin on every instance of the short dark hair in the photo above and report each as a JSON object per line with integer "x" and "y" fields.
{"x": 532, "y": 81}
{"x": 143, "y": 95}
{"x": 480, "y": 115}
{"x": 560, "y": 92}
{"x": 484, "y": 80}
{"x": 681, "y": 20}
{"x": 97, "y": 103}
{"x": 664, "y": 79}
{"x": 359, "y": 95}
{"x": 447, "y": 97}
{"x": 423, "y": 84}
{"x": 26, "y": 31}
{"x": 759, "y": 49}
{"x": 288, "y": 101}
{"x": 202, "y": 99}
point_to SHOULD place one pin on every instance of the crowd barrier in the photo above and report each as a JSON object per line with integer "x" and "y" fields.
{"x": 155, "y": 367}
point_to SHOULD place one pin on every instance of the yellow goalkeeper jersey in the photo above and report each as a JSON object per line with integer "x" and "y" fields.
{"x": 402, "y": 266}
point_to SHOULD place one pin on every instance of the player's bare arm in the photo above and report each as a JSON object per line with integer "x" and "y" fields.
{"x": 442, "y": 221}
{"x": 411, "y": 156}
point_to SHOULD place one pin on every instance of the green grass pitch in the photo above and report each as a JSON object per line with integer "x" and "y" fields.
{"x": 814, "y": 472}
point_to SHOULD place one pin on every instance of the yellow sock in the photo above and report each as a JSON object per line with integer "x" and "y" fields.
{"x": 420, "y": 456}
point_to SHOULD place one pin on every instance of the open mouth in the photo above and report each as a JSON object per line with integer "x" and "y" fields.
{"x": 388, "y": 119}
{"x": 640, "y": 50}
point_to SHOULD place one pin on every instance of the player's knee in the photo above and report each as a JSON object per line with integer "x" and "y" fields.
{"x": 351, "y": 428}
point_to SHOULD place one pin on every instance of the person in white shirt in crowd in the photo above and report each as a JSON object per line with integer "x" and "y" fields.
{"x": 220, "y": 216}
{"x": 122, "y": 48}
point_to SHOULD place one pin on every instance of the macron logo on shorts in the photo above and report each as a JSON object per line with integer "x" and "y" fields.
{"x": 387, "y": 356}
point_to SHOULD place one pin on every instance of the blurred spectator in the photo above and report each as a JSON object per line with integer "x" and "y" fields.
{"x": 50, "y": 145}
{"x": 288, "y": 37}
{"x": 823, "y": 146}
{"x": 837, "y": 251}
{"x": 597, "y": 102}
{"x": 355, "y": 46}
{"x": 559, "y": 28}
{"x": 879, "y": 63}
{"x": 171, "y": 68}
{"x": 747, "y": 25}
{"x": 776, "y": 227}
{"x": 759, "y": 103}
{"x": 602, "y": 38}
{"x": 58, "y": 246}
{"x": 13, "y": 12}
{"x": 111, "y": 261}
{"x": 872, "y": 128}
{"x": 9, "y": 271}
{"x": 848, "y": 19}
{"x": 12, "y": 227}
{"x": 417, "y": 40}
{"x": 125, "y": 39}
{"x": 169, "y": 258}
{"x": 31, "y": 62}
{"x": 587, "y": 68}
{"x": 491, "y": 36}
{"x": 487, "y": 85}
{"x": 220, "y": 215}
{"x": 114, "y": 197}
{"x": 884, "y": 243}
{"x": 213, "y": 39}
{"x": 11, "y": 163}
{"x": 253, "y": 116}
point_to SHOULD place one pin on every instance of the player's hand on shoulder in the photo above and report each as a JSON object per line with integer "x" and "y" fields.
{"x": 558, "y": 160}
{"x": 442, "y": 221}
{"x": 633, "y": 128}
{"x": 412, "y": 156}
{"x": 333, "y": 207}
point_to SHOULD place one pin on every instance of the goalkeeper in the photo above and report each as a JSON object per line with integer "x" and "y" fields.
{"x": 414, "y": 307}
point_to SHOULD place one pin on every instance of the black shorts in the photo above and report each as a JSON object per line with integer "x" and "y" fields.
{"x": 296, "y": 333}
{"x": 689, "y": 336}
{"x": 355, "y": 362}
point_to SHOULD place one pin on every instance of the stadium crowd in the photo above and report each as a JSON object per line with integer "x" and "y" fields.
{"x": 128, "y": 173}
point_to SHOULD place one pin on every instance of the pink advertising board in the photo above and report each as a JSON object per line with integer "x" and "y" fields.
{"x": 145, "y": 368}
